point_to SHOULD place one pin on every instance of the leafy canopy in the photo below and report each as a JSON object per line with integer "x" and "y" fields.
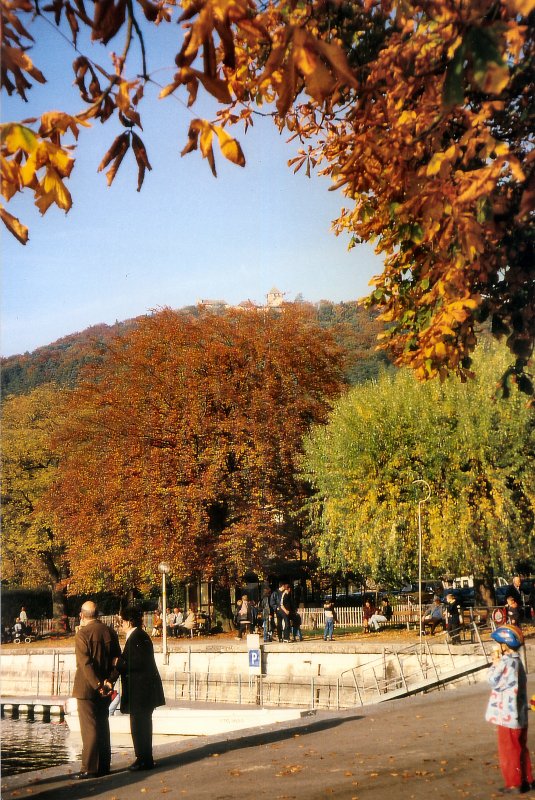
{"x": 182, "y": 446}
{"x": 476, "y": 454}
{"x": 32, "y": 551}
{"x": 420, "y": 112}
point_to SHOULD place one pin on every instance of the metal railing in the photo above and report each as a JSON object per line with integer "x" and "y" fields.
{"x": 415, "y": 668}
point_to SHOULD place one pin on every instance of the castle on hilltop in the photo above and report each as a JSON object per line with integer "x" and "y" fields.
{"x": 274, "y": 299}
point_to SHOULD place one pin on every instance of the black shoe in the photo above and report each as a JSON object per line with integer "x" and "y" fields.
{"x": 81, "y": 776}
{"x": 138, "y": 766}
{"x": 511, "y": 790}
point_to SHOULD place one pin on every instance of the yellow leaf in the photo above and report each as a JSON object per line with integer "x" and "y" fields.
{"x": 52, "y": 184}
{"x": 27, "y": 171}
{"x": 501, "y": 149}
{"x": 18, "y": 137}
{"x": 206, "y": 138}
{"x": 44, "y": 201}
{"x": 123, "y": 96}
{"x": 61, "y": 160}
{"x": 230, "y": 147}
{"x": 516, "y": 169}
{"x": 218, "y": 88}
{"x": 496, "y": 79}
{"x": 14, "y": 226}
{"x": 523, "y": 7}
{"x": 434, "y": 165}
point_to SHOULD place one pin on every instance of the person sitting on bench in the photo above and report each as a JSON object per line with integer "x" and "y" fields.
{"x": 433, "y": 616}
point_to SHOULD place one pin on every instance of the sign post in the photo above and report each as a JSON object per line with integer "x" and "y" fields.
{"x": 254, "y": 655}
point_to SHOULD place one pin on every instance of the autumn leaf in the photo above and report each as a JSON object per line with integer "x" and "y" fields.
{"x": 524, "y": 7}
{"x": 230, "y": 147}
{"x": 141, "y": 157}
{"x": 116, "y": 153}
{"x": 18, "y": 137}
{"x": 393, "y": 103}
{"x": 14, "y": 226}
{"x": 188, "y": 418}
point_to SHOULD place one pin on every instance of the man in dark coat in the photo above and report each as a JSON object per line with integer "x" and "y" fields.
{"x": 141, "y": 686}
{"x": 96, "y": 647}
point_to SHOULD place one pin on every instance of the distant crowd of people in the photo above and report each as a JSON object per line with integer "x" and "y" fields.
{"x": 179, "y": 623}
{"x": 276, "y": 617}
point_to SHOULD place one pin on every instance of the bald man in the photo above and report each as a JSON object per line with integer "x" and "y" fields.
{"x": 96, "y": 648}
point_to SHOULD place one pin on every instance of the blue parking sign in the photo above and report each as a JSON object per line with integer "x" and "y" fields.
{"x": 254, "y": 659}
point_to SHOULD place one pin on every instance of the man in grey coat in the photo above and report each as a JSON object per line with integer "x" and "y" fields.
{"x": 97, "y": 648}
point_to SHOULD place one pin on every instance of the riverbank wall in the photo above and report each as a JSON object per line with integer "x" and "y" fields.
{"x": 318, "y": 675}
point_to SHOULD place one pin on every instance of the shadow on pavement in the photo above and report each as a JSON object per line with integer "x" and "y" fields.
{"x": 66, "y": 787}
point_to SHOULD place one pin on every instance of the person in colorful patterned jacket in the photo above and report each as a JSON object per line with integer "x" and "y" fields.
{"x": 508, "y": 710}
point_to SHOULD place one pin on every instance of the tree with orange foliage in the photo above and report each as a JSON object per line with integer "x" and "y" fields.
{"x": 420, "y": 112}
{"x": 182, "y": 446}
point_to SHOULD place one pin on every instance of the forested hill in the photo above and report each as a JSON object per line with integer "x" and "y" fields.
{"x": 60, "y": 362}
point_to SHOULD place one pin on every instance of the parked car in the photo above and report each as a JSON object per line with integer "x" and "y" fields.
{"x": 500, "y": 592}
{"x": 356, "y": 599}
{"x": 429, "y": 590}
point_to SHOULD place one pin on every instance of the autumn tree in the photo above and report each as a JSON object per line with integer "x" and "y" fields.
{"x": 32, "y": 552}
{"x": 475, "y": 452}
{"x": 182, "y": 446}
{"x": 420, "y": 112}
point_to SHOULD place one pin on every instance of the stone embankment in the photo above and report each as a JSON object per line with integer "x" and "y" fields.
{"x": 315, "y": 674}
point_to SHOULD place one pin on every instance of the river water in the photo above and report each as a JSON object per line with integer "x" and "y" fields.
{"x": 28, "y": 745}
{"x": 33, "y": 744}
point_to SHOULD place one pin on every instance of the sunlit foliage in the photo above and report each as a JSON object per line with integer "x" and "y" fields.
{"x": 182, "y": 446}
{"x": 476, "y": 453}
{"x": 32, "y": 552}
{"x": 420, "y": 112}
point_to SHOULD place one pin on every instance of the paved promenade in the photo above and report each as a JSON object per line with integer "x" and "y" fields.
{"x": 433, "y": 747}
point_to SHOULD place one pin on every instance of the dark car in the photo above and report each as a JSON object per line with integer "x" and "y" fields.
{"x": 356, "y": 599}
{"x": 429, "y": 590}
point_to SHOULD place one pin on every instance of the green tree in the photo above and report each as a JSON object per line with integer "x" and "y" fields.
{"x": 32, "y": 552}
{"x": 476, "y": 453}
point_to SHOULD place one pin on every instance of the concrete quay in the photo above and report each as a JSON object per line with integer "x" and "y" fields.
{"x": 430, "y": 746}
{"x": 310, "y": 673}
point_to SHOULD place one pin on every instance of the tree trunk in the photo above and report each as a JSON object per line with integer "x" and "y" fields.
{"x": 59, "y": 602}
{"x": 221, "y": 609}
{"x": 484, "y": 589}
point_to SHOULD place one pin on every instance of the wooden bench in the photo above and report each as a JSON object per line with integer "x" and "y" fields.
{"x": 406, "y": 616}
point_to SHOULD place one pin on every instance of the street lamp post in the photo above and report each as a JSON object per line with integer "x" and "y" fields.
{"x": 164, "y": 569}
{"x": 423, "y": 500}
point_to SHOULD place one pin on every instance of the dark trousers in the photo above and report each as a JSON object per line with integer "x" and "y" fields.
{"x": 285, "y": 620}
{"x": 94, "y": 718}
{"x": 454, "y": 629}
{"x": 282, "y": 626}
{"x": 141, "y": 730}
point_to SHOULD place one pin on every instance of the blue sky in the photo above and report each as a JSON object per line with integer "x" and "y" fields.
{"x": 186, "y": 236}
